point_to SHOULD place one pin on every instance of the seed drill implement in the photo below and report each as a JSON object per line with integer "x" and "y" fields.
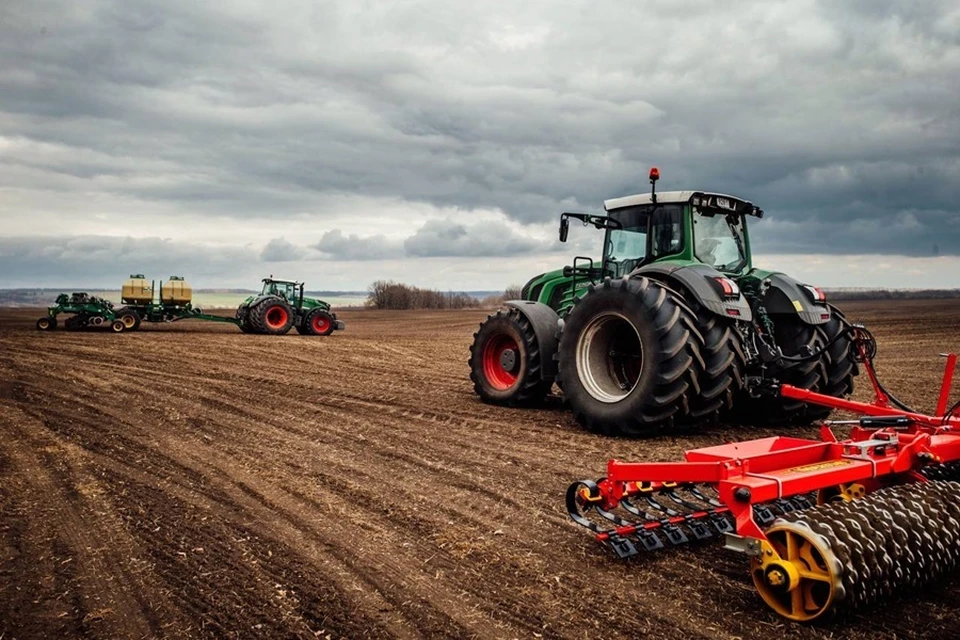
{"x": 827, "y": 524}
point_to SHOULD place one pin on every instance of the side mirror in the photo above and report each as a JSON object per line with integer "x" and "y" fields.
{"x": 564, "y": 229}
{"x": 567, "y": 271}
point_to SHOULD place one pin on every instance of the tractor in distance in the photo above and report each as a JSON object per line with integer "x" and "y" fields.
{"x": 282, "y": 305}
{"x": 673, "y": 328}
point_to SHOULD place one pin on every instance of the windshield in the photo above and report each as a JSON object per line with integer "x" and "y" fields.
{"x": 718, "y": 240}
{"x": 285, "y": 289}
{"x": 626, "y": 248}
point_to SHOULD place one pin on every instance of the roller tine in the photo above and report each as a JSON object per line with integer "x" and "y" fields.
{"x": 632, "y": 508}
{"x": 696, "y": 491}
{"x": 612, "y": 517}
{"x": 659, "y": 507}
{"x": 686, "y": 504}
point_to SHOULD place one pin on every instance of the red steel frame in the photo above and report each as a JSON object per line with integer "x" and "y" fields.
{"x": 758, "y": 471}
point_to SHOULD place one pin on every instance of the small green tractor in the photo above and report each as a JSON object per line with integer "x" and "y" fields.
{"x": 673, "y": 327}
{"x": 282, "y": 305}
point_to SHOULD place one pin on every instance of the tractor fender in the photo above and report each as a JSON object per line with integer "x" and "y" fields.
{"x": 699, "y": 281}
{"x": 545, "y": 322}
{"x": 786, "y": 295}
{"x": 258, "y": 300}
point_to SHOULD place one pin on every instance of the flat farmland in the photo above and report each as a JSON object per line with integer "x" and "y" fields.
{"x": 190, "y": 480}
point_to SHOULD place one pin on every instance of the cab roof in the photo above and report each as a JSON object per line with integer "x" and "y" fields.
{"x": 713, "y": 200}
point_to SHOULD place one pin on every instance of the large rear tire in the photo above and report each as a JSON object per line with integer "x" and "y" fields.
{"x": 837, "y": 363}
{"x": 721, "y": 379}
{"x": 629, "y": 357}
{"x": 272, "y": 316}
{"x": 506, "y": 361}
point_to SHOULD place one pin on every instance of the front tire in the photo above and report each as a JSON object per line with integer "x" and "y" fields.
{"x": 272, "y": 316}
{"x": 628, "y": 358}
{"x": 506, "y": 361}
{"x": 47, "y": 323}
{"x": 317, "y": 323}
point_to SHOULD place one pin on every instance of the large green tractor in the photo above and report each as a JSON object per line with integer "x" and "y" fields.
{"x": 280, "y": 306}
{"x": 669, "y": 328}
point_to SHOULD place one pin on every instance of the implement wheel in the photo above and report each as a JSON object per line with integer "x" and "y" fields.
{"x": 629, "y": 356}
{"x": 506, "y": 361}
{"x": 797, "y": 573}
{"x": 47, "y": 323}
{"x": 272, "y": 316}
{"x": 129, "y": 317}
{"x": 317, "y": 323}
{"x": 117, "y": 326}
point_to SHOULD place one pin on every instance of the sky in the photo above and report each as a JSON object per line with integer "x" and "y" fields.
{"x": 436, "y": 142}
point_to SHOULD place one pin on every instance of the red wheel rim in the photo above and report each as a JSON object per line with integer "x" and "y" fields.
{"x": 493, "y": 369}
{"x": 320, "y": 323}
{"x": 276, "y": 317}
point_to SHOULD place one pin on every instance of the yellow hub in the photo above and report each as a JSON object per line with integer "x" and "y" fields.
{"x": 841, "y": 493}
{"x": 796, "y": 573}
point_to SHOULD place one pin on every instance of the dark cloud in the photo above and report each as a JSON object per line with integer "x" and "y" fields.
{"x": 839, "y": 119}
{"x": 483, "y": 239}
{"x": 281, "y": 250}
{"x": 107, "y": 261}
{"x": 352, "y": 247}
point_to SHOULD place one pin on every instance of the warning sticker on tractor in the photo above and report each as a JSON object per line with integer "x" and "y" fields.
{"x": 817, "y": 466}
{"x": 797, "y": 305}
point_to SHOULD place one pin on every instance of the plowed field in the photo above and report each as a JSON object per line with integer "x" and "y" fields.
{"x": 189, "y": 480}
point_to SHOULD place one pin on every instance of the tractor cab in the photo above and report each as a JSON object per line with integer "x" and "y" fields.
{"x": 289, "y": 290}
{"x": 680, "y": 227}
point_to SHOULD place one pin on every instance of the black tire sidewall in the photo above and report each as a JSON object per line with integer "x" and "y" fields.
{"x": 495, "y": 326}
{"x": 258, "y": 316}
{"x": 308, "y": 323}
{"x": 605, "y": 300}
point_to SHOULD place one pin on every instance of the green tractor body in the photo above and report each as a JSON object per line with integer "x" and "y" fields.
{"x": 282, "y": 305}
{"x": 668, "y": 327}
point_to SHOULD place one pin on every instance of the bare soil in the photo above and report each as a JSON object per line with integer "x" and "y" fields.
{"x": 190, "y": 480}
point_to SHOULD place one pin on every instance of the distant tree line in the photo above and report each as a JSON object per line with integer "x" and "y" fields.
{"x": 510, "y": 293}
{"x": 893, "y": 294}
{"x": 387, "y": 294}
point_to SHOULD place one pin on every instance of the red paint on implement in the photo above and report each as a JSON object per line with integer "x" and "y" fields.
{"x": 276, "y": 317}
{"x": 498, "y": 377}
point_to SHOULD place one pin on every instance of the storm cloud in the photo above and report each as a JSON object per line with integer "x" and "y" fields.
{"x": 393, "y": 133}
